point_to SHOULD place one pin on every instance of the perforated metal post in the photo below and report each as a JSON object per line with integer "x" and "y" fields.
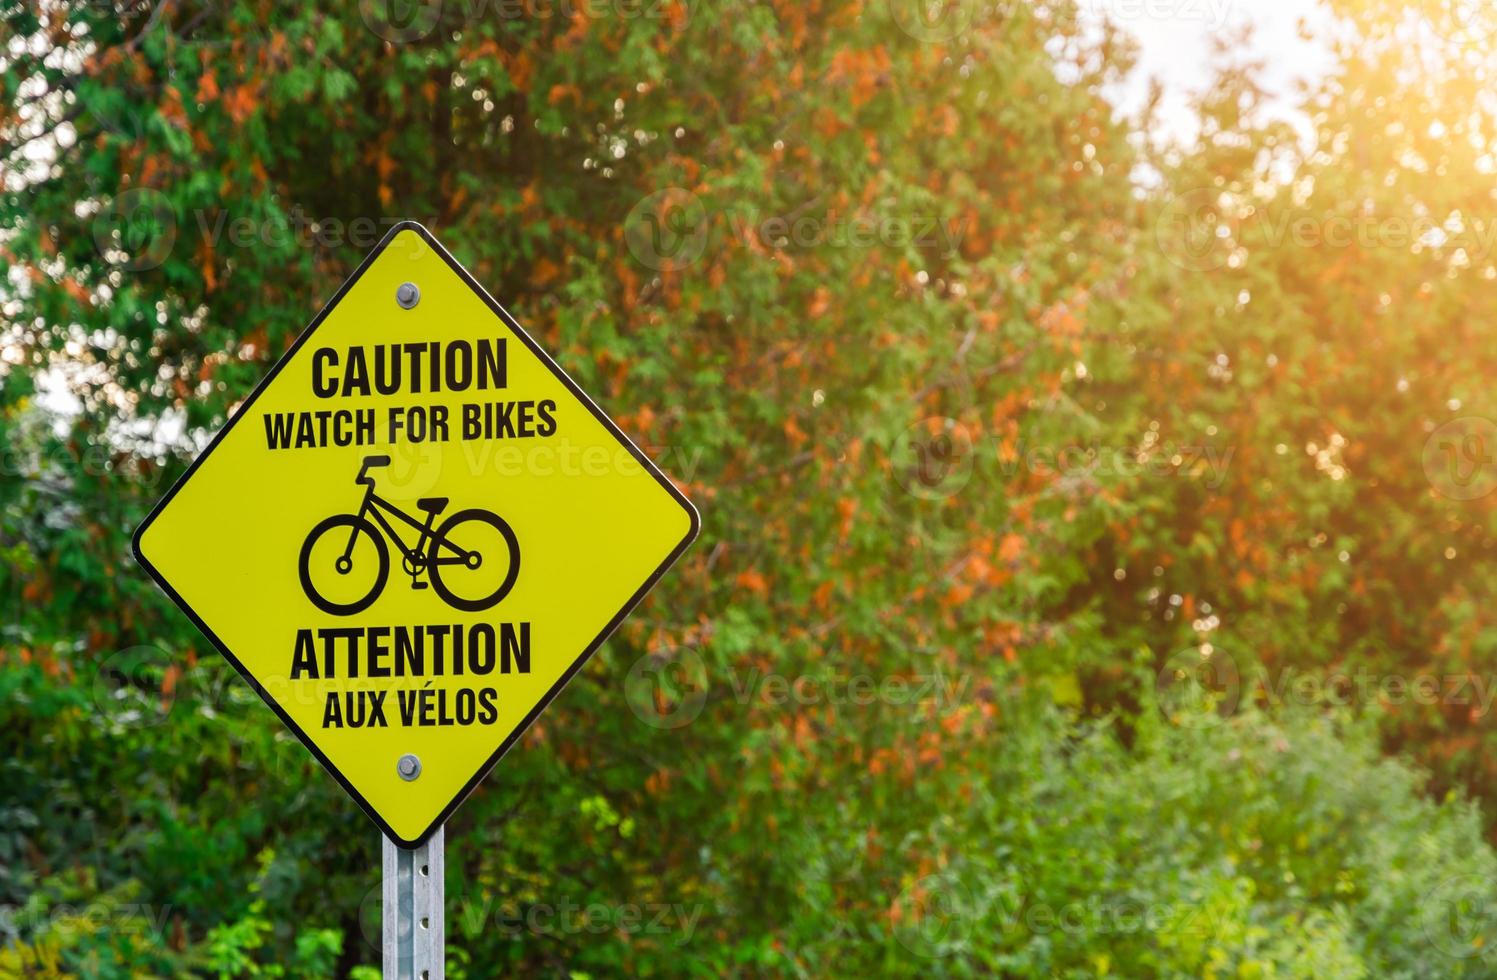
{"x": 414, "y": 938}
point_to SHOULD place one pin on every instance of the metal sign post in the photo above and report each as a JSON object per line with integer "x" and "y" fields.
{"x": 410, "y": 633}
{"x": 414, "y": 886}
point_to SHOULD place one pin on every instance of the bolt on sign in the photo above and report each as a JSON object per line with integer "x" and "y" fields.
{"x": 413, "y": 533}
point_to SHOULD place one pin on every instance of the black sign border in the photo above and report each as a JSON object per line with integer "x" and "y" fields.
{"x": 546, "y": 359}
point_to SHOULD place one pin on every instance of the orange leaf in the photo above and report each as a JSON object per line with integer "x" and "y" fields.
{"x": 753, "y": 581}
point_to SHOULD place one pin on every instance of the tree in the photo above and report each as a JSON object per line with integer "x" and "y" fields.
{"x": 867, "y": 283}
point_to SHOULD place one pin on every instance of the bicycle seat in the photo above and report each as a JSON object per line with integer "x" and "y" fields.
{"x": 432, "y": 505}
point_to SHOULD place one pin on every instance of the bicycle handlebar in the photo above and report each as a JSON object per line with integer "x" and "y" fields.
{"x": 369, "y": 462}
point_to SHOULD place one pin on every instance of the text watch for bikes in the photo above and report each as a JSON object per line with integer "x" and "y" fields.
{"x": 413, "y": 533}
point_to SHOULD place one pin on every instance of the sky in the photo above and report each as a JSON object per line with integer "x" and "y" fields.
{"x": 1175, "y": 38}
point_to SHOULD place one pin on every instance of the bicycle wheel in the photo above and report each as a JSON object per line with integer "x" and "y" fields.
{"x": 466, "y": 556}
{"x": 348, "y": 586}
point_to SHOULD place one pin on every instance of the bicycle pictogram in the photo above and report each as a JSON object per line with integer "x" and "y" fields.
{"x": 472, "y": 559}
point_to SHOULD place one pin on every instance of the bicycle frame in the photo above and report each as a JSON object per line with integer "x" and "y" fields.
{"x": 373, "y": 506}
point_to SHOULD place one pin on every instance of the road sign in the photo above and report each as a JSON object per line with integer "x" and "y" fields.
{"x": 413, "y": 533}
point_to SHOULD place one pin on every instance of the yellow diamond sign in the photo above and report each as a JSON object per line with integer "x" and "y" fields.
{"x": 413, "y": 533}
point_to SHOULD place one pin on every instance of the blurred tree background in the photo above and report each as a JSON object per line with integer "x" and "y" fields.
{"x": 1149, "y": 487}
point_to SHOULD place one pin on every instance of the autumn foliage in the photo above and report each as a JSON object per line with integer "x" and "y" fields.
{"x": 1062, "y": 490}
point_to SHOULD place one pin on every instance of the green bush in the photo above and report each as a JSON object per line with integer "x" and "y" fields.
{"x": 1245, "y": 849}
{"x": 1209, "y": 847}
